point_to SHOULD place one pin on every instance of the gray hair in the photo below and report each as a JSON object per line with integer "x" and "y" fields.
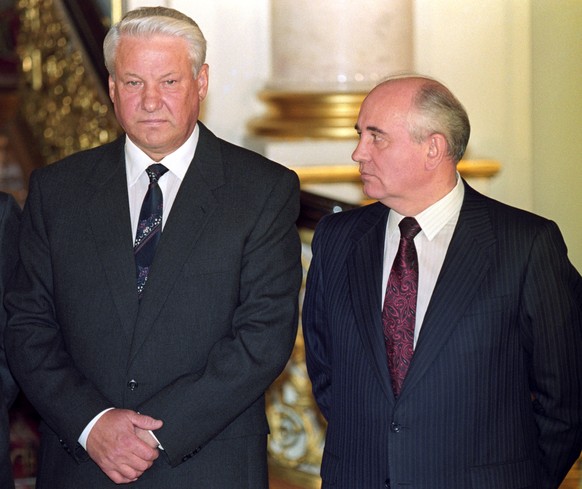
{"x": 150, "y": 21}
{"x": 439, "y": 111}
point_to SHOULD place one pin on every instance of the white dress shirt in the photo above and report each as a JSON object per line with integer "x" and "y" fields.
{"x": 136, "y": 162}
{"x": 438, "y": 224}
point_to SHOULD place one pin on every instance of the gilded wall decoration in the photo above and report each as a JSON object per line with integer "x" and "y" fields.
{"x": 63, "y": 101}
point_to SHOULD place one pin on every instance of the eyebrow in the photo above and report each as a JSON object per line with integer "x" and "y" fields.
{"x": 166, "y": 75}
{"x": 371, "y": 129}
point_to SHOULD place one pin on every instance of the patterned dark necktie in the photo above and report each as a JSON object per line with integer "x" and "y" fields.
{"x": 149, "y": 227}
{"x": 399, "y": 312}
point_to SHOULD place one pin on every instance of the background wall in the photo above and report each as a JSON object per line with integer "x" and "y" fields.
{"x": 557, "y": 117}
{"x": 515, "y": 64}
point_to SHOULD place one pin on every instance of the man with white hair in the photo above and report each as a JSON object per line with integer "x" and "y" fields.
{"x": 147, "y": 353}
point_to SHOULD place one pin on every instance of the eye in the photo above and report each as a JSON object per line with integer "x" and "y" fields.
{"x": 133, "y": 84}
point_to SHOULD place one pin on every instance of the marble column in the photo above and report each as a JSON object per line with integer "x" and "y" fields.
{"x": 326, "y": 55}
{"x": 339, "y": 45}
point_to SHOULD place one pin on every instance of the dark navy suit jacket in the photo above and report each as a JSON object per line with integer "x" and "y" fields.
{"x": 493, "y": 396}
{"x": 215, "y": 326}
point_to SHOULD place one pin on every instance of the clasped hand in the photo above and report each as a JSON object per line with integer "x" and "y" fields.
{"x": 121, "y": 444}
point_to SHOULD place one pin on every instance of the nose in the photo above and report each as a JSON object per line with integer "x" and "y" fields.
{"x": 359, "y": 153}
{"x": 151, "y": 100}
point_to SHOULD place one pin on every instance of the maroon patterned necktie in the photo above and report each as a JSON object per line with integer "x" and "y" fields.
{"x": 149, "y": 227}
{"x": 399, "y": 312}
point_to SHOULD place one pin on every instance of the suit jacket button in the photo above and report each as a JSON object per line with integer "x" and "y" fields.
{"x": 395, "y": 427}
{"x": 387, "y": 483}
{"x": 132, "y": 384}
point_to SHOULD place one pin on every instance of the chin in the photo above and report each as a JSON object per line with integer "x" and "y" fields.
{"x": 371, "y": 193}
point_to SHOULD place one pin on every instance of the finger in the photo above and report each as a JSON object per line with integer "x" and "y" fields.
{"x": 147, "y": 437}
{"x": 119, "y": 477}
{"x": 127, "y": 469}
{"x": 145, "y": 450}
{"x": 146, "y": 422}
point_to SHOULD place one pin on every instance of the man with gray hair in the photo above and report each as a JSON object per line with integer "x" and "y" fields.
{"x": 442, "y": 328}
{"x": 156, "y": 298}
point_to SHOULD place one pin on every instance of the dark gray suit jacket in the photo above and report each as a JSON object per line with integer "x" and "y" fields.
{"x": 493, "y": 396}
{"x": 214, "y": 328}
{"x": 9, "y": 221}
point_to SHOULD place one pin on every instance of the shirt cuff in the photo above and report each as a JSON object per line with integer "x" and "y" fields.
{"x": 85, "y": 434}
{"x": 157, "y": 441}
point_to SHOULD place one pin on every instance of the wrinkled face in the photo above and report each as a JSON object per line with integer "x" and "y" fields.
{"x": 391, "y": 164}
{"x": 155, "y": 95}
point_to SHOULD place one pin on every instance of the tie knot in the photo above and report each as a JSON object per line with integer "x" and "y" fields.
{"x": 155, "y": 171}
{"x": 409, "y": 228}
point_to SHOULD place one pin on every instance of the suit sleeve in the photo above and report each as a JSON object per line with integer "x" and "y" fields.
{"x": 315, "y": 328}
{"x": 9, "y": 223}
{"x": 553, "y": 315}
{"x": 242, "y": 365}
{"x": 35, "y": 347}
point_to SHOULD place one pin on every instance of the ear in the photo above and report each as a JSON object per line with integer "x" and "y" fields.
{"x": 436, "y": 151}
{"x": 202, "y": 81}
{"x": 111, "y": 84}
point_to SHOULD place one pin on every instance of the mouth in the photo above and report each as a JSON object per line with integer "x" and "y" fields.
{"x": 153, "y": 121}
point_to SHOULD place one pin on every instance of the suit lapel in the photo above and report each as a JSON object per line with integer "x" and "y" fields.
{"x": 108, "y": 215}
{"x": 465, "y": 265}
{"x": 365, "y": 282}
{"x": 190, "y": 212}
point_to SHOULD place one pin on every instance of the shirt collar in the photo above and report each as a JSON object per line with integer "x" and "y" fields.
{"x": 136, "y": 161}
{"x": 434, "y": 218}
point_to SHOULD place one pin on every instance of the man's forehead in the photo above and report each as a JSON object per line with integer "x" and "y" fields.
{"x": 382, "y": 112}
